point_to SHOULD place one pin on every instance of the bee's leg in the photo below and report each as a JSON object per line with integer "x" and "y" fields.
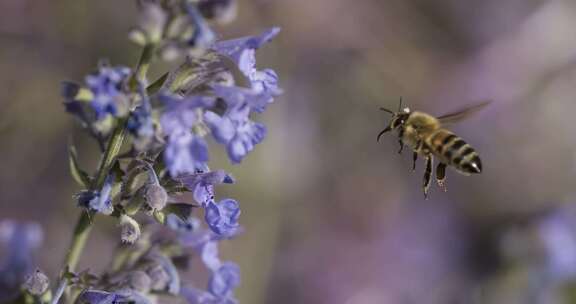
{"x": 400, "y": 135}
{"x": 427, "y": 175}
{"x": 419, "y": 144}
{"x": 441, "y": 176}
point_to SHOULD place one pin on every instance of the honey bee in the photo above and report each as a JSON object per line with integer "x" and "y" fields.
{"x": 424, "y": 134}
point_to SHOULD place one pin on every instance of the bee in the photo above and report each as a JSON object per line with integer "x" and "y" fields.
{"x": 424, "y": 134}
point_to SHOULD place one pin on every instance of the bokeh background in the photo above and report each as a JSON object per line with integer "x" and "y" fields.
{"x": 331, "y": 215}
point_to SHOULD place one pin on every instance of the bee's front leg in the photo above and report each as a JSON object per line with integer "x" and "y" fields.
{"x": 419, "y": 149}
{"x": 441, "y": 176}
{"x": 427, "y": 175}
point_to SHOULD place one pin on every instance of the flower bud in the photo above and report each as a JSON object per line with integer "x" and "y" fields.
{"x": 156, "y": 197}
{"x": 222, "y": 11}
{"x": 159, "y": 277}
{"x": 37, "y": 283}
{"x": 140, "y": 281}
{"x": 129, "y": 229}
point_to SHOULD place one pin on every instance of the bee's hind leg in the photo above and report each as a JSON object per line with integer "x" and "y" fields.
{"x": 414, "y": 159}
{"x": 441, "y": 176}
{"x": 427, "y": 175}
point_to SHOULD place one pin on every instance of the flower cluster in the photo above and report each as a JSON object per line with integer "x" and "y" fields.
{"x": 153, "y": 139}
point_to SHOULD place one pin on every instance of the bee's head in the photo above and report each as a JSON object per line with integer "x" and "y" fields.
{"x": 398, "y": 118}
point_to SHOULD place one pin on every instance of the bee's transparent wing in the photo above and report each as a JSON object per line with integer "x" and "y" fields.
{"x": 462, "y": 114}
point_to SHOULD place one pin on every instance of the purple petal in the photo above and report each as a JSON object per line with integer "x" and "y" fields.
{"x": 224, "y": 280}
{"x": 209, "y": 254}
{"x": 241, "y": 50}
{"x": 222, "y": 217}
{"x": 185, "y": 153}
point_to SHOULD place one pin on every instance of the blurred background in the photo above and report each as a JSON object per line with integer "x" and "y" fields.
{"x": 331, "y": 215}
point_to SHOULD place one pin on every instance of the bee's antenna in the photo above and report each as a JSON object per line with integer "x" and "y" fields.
{"x": 400, "y": 105}
{"x": 386, "y": 110}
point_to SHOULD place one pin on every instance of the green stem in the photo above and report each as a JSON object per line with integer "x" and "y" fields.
{"x": 143, "y": 63}
{"x": 84, "y": 224}
{"x": 110, "y": 154}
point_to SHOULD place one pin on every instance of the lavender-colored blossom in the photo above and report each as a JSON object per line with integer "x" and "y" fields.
{"x": 222, "y": 217}
{"x": 141, "y": 125}
{"x": 203, "y": 36}
{"x": 107, "y": 90}
{"x": 242, "y": 52}
{"x": 92, "y": 296}
{"x": 202, "y": 184}
{"x": 188, "y": 33}
{"x": 100, "y": 297}
{"x": 185, "y": 152}
{"x": 234, "y": 129}
{"x": 182, "y": 113}
{"x": 198, "y": 296}
{"x": 209, "y": 255}
{"x": 265, "y": 84}
{"x": 19, "y": 241}
{"x": 224, "y": 280}
{"x": 557, "y": 233}
{"x": 163, "y": 273}
{"x": 98, "y": 201}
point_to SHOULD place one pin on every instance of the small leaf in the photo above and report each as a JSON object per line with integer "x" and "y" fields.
{"x": 154, "y": 87}
{"x": 159, "y": 216}
{"x": 79, "y": 175}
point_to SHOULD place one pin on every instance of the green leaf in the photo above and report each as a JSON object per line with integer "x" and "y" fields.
{"x": 79, "y": 175}
{"x": 159, "y": 216}
{"x": 154, "y": 87}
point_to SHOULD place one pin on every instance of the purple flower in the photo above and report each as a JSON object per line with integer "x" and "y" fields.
{"x": 234, "y": 129}
{"x": 185, "y": 152}
{"x": 202, "y": 184}
{"x": 19, "y": 241}
{"x": 209, "y": 255}
{"x": 101, "y": 297}
{"x": 99, "y": 201}
{"x": 141, "y": 125}
{"x": 170, "y": 281}
{"x": 182, "y": 113}
{"x": 203, "y": 36}
{"x": 92, "y": 296}
{"x": 222, "y": 217}
{"x": 242, "y": 51}
{"x": 224, "y": 280}
{"x": 198, "y": 296}
{"x": 265, "y": 84}
{"x": 107, "y": 90}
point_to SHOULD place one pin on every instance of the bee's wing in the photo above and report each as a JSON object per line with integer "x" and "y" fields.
{"x": 463, "y": 113}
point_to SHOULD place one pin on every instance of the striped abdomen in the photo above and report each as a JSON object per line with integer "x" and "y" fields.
{"x": 454, "y": 151}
